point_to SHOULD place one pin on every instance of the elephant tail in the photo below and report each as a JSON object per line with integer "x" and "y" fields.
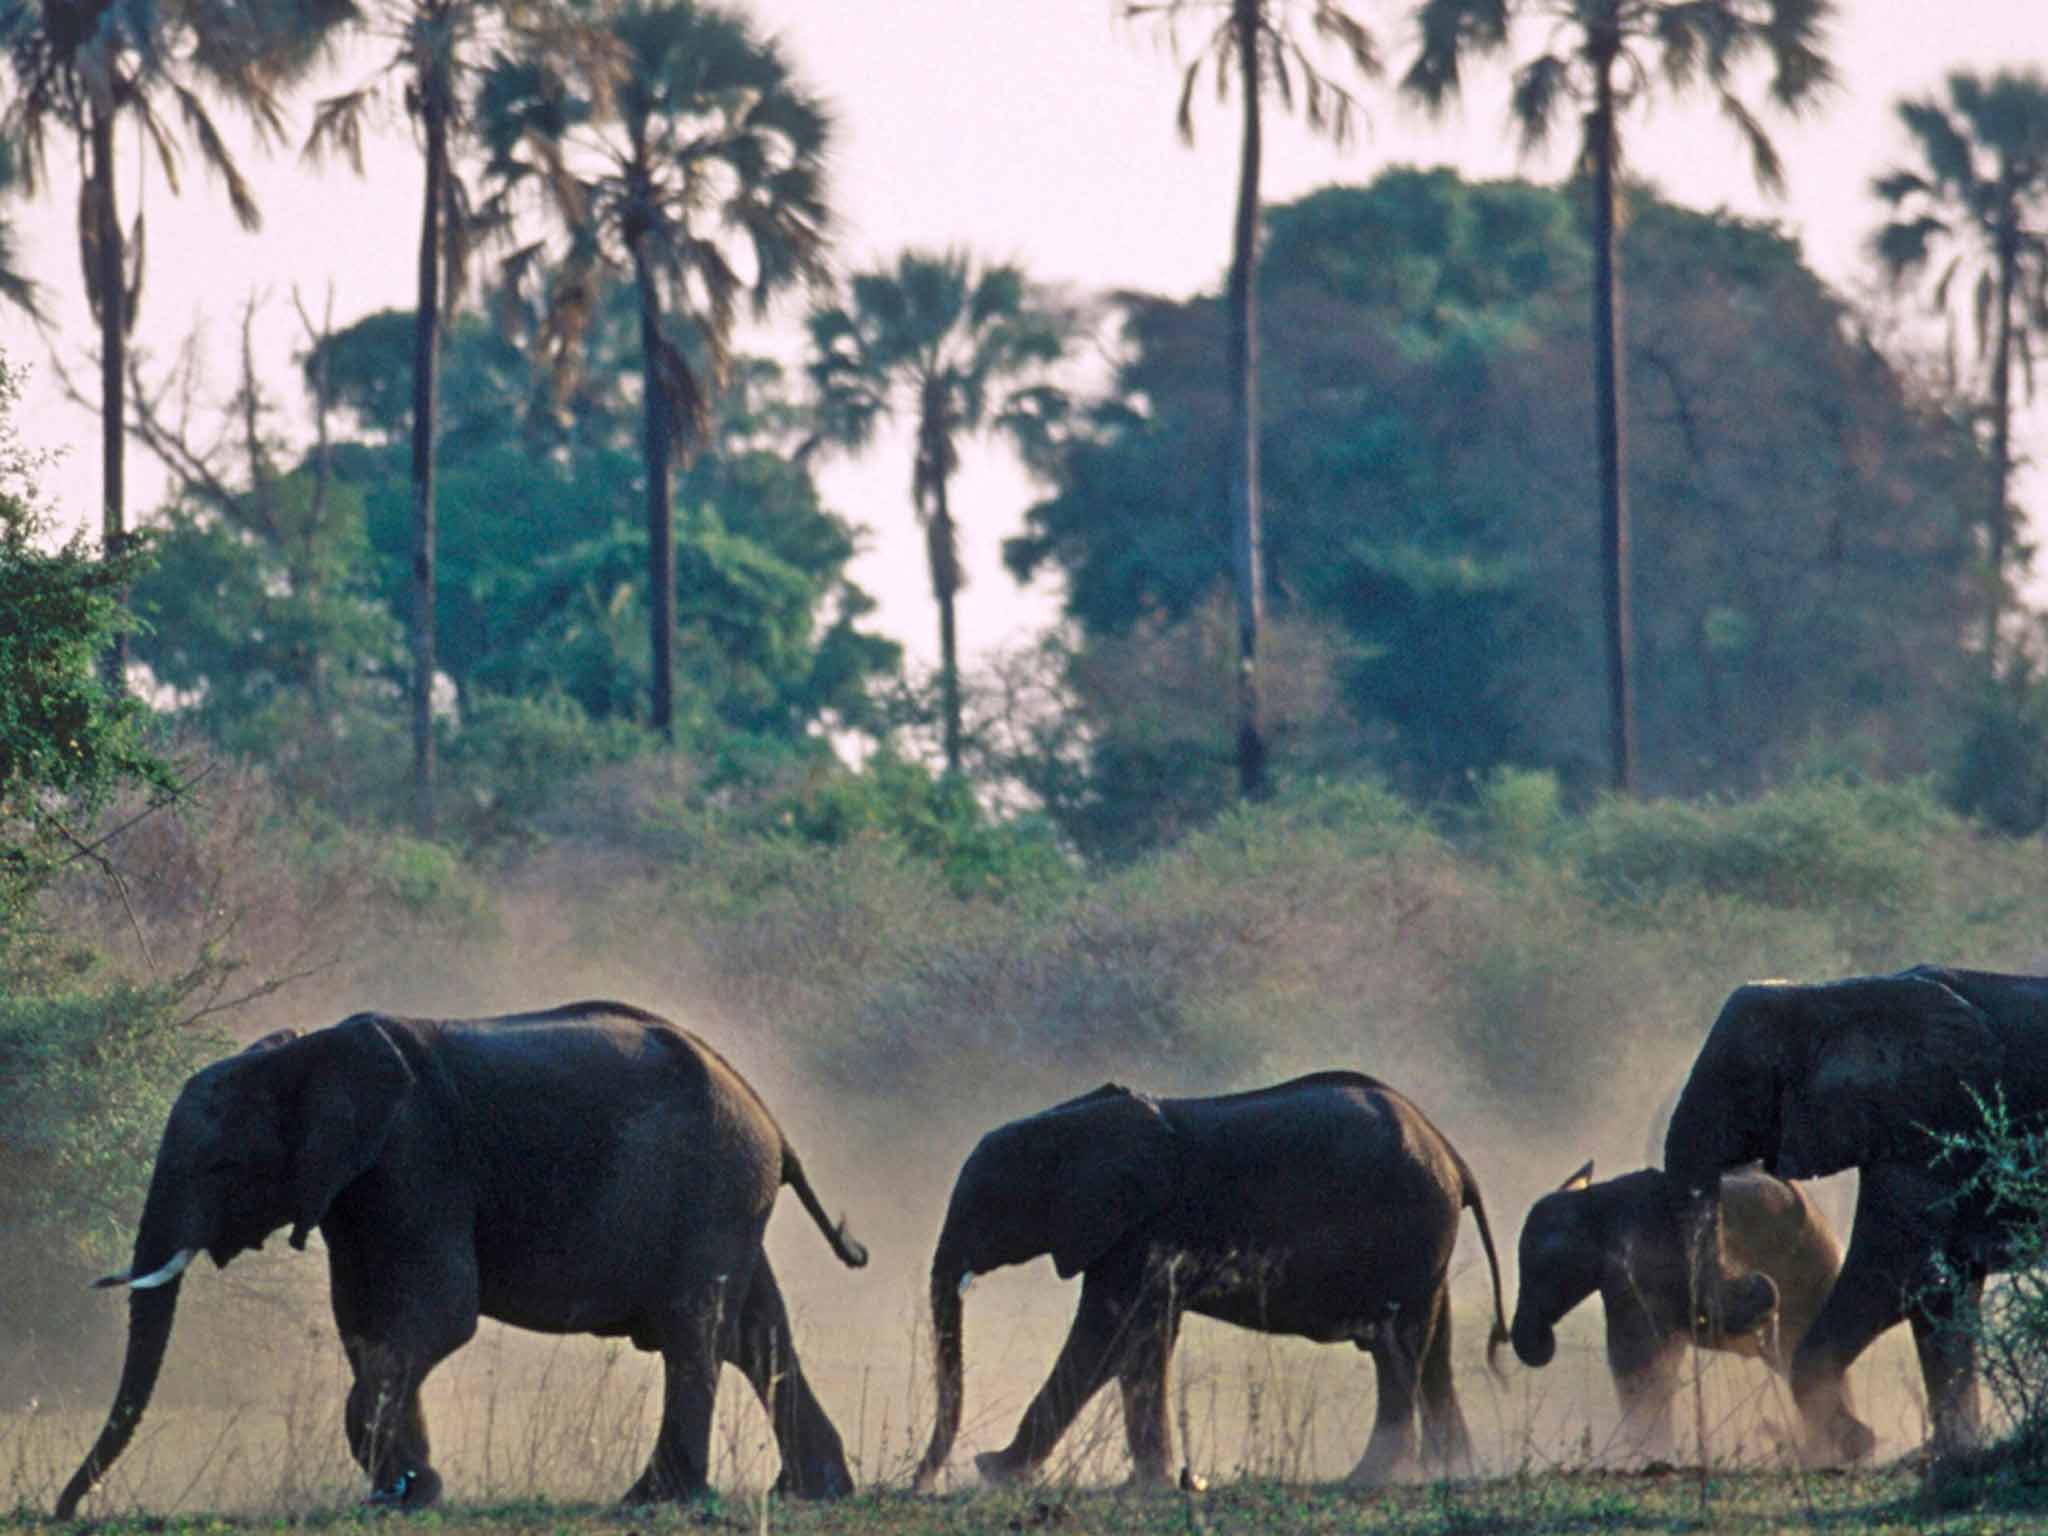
{"x": 851, "y": 1253}
{"x": 1499, "y": 1335}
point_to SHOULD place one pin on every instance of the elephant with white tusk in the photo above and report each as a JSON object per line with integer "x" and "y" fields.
{"x": 1326, "y": 1207}
{"x": 1867, "y": 1073}
{"x": 591, "y": 1169}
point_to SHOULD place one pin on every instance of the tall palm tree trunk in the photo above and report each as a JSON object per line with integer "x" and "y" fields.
{"x": 946, "y": 587}
{"x": 2001, "y": 437}
{"x": 110, "y": 277}
{"x": 661, "y": 534}
{"x": 1243, "y": 364}
{"x": 426, "y": 360}
{"x": 1607, "y": 390}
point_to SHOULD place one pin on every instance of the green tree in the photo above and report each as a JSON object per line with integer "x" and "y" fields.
{"x": 1599, "y": 65}
{"x": 687, "y": 155}
{"x": 1256, "y": 43}
{"x": 960, "y": 348}
{"x": 440, "y": 44}
{"x": 1980, "y": 195}
{"x": 66, "y": 742}
{"x": 151, "y": 64}
{"x": 1804, "y": 513}
{"x": 543, "y": 584}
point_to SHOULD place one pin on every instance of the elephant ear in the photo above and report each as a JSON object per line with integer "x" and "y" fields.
{"x": 1880, "y": 1062}
{"x": 1117, "y": 1167}
{"x": 354, "y": 1084}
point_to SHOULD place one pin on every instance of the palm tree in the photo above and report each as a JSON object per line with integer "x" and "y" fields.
{"x": 1256, "y": 43}
{"x": 1598, "y": 65}
{"x": 438, "y": 47}
{"x": 81, "y": 73}
{"x": 961, "y": 348}
{"x": 1981, "y": 193}
{"x": 684, "y": 152}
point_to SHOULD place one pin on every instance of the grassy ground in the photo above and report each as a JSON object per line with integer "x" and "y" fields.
{"x": 1674, "y": 1501}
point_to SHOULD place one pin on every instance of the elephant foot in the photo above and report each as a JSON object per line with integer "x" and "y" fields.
{"x": 413, "y": 1489}
{"x": 831, "y": 1481}
{"x": 998, "y": 1471}
{"x": 649, "y": 1489}
{"x": 1844, "y": 1441}
{"x": 1150, "y": 1480}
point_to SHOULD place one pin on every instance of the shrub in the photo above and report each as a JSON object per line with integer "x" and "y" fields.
{"x": 2007, "y": 1329}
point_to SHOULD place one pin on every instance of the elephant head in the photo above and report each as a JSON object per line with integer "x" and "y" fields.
{"x": 1073, "y": 1181}
{"x": 1577, "y": 1234}
{"x": 262, "y": 1139}
{"x": 1810, "y": 1080}
{"x": 1559, "y": 1260}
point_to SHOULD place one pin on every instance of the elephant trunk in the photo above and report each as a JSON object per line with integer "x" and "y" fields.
{"x": 149, "y": 1333}
{"x": 949, "y": 1285}
{"x": 1534, "y": 1339}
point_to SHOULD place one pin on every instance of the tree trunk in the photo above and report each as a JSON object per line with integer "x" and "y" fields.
{"x": 948, "y": 1369}
{"x": 110, "y": 278}
{"x": 946, "y": 587}
{"x": 1607, "y": 389}
{"x": 656, "y": 434}
{"x": 1243, "y": 363}
{"x": 1998, "y": 528}
{"x": 426, "y": 357}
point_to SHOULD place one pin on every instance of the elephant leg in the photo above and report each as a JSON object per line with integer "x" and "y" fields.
{"x": 1397, "y": 1346}
{"x": 1646, "y": 1387}
{"x": 1446, "y": 1438}
{"x": 700, "y": 1329}
{"x": 1948, "y": 1364}
{"x": 387, "y": 1429}
{"x": 1103, "y": 1329}
{"x": 1865, "y": 1302}
{"x": 397, "y": 1324}
{"x": 813, "y": 1458}
{"x": 1145, "y": 1382}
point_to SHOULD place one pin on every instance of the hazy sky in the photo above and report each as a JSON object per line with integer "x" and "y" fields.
{"x": 1038, "y": 131}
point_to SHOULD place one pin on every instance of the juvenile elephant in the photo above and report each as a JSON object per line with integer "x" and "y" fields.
{"x": 1623, "y": 1237}
{"x": 592, "y": 1169}
{"x": 1326, "y": 1207}
{"x": 1865, "y": 1073}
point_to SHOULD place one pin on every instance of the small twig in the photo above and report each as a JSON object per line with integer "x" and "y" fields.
{"x": 106, "y": 867}
{"x": 265, "y": 989}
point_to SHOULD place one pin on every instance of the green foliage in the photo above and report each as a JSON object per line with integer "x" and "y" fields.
{"x": 2004, "y": 1164}
{"x": 429, "y": 880}
{"x": 513, "y": 756}
{"x": 66, "y": 745}
{"x": 88, "y": 1067}
{"x": 1817, "y": 843}
{"x": 2001, "y": 769}
{"x": 1801, "y": 516}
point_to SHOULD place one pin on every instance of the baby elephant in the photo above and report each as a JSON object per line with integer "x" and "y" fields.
{"x": 1621, "y": 1238}
{"x": 1326, "y": 1207}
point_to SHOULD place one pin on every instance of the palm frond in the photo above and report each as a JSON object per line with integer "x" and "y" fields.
{"x": 1450, "y": 30}
{"x": 1538, "y": 87}
{"x": 215, "y": 154}
{"x": 338, "y": 128}
{"x": 1764, "y": 163}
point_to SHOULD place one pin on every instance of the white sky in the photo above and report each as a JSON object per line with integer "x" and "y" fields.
{"x": 1038, "y": 131}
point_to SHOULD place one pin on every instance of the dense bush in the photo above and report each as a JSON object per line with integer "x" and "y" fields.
{"x": 2007, "y": 1327}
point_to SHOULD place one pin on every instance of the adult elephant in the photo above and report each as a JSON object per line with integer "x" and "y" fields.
{"x": 1326, "y": 1207}
{"x": 1865, "y": 1073}
{"x": 1623, "y": 1237}
{"x": 591, "y": 1169}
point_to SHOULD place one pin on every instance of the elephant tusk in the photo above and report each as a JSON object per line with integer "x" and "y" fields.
{"x": 966, "y": 1279}
{"x": 167, "y": 1274}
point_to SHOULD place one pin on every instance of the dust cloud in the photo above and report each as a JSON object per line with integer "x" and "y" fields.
{"x": 247, "y": 1414}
